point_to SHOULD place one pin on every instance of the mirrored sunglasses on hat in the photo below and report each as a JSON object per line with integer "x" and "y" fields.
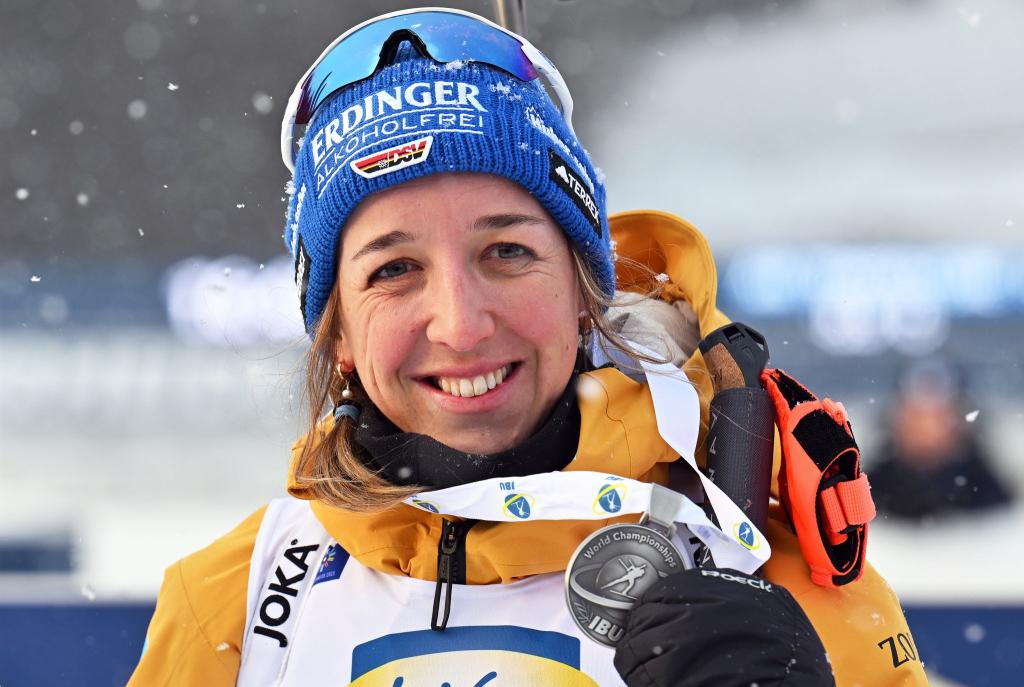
{"x": 446, "y": 35}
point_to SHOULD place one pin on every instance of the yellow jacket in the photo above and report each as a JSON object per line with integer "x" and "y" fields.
{"x": 196, "y": 633}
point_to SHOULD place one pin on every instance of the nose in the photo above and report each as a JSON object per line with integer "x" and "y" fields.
{"x": 459, "y": 310}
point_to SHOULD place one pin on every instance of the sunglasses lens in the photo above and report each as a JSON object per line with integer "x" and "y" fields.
{"x": 453, "y": 37}
{"x": 446, "y": 38}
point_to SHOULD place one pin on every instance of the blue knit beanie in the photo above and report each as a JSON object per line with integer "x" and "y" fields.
{"x": 417, "y": 117}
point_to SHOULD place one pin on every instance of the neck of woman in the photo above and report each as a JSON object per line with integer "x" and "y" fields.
{"x": 408, "y": 458}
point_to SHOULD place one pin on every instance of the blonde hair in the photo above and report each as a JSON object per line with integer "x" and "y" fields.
{"x": 329, "y": 467}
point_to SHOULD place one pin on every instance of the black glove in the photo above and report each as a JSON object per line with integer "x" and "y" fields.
{"x": 719, "y": 628}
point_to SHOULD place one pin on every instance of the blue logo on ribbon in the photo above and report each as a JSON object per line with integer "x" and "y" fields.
{"x": 744, "y": 532}
{"x": 518, "y": 506}
{"x": 425, "y": 505}
{"x": 609, "y": 496}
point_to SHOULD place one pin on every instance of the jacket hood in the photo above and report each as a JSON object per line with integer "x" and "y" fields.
{"x": 615, "y": 410}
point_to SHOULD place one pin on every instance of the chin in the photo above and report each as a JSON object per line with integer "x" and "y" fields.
{"x": 476, "y": 443}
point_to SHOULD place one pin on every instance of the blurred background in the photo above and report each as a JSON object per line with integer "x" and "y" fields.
{"x": 858, "y": 168}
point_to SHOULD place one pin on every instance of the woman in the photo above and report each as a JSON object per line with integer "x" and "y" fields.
{"x": 453, "y": 258}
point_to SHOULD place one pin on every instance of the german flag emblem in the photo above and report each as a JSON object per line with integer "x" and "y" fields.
{"x": 393, "y": 159}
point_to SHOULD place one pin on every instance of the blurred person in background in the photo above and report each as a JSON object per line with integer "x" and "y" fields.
{"x": 450, "y": 323}
{"x": 933, "y": 462}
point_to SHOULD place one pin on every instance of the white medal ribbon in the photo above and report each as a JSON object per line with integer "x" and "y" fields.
{"x": 597, "y": 496}
{"x": 677, "y": 411}
{"x": 582, "y": 496}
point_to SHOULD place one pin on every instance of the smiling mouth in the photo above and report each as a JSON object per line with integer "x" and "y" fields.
{"x": 467, "y": 387}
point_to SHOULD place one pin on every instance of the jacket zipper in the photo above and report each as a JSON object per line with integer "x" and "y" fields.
{"x": 450, "y": 570}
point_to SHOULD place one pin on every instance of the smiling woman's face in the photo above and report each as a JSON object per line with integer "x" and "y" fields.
{"x": 459, "y": 309}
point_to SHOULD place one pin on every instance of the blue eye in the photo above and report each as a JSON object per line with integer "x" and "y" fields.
{"x": 391, "y": 270}
{"x": 511, "y": 251}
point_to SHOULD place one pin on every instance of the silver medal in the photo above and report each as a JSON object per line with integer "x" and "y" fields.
{"x": 610, "y": 570}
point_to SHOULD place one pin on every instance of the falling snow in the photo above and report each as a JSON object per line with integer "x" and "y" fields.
{"x": 88, "y": 592}
{"x": 974, "y": 633}
{"x": 262, "y": 102}
{"x": 21, "y": 194}
{"x": 662, "y": 278}
{"x": 76, "y": 127}
{"x": 35, "y": 279}
{"x": 82, "y": 199}
{"x": 137, "y": 109}
{"x": 239, "y": 205}
{"x": 972, "y": 416}
{"x": 172, "y": 86}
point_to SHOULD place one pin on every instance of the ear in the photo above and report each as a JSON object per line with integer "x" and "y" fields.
{"x": 343, "y": 355}
{"x": 581, "y": 305}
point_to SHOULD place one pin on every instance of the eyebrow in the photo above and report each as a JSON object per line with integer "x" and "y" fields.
{"x": 504, "y": 220}
{"x": 392, "y": 238}
{"x": 498, "y": 221}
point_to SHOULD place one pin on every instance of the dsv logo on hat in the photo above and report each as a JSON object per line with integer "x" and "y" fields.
{"x": 393, "y": 159}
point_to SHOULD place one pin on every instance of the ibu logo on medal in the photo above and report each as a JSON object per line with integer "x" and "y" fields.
{"x": 609, "y": 572}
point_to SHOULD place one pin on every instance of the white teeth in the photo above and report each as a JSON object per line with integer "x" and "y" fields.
{"x": 481, "y": 384}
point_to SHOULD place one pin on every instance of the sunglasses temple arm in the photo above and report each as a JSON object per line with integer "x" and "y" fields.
{"x": 543, "y": 65}
{"x": 288, "y": 128}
